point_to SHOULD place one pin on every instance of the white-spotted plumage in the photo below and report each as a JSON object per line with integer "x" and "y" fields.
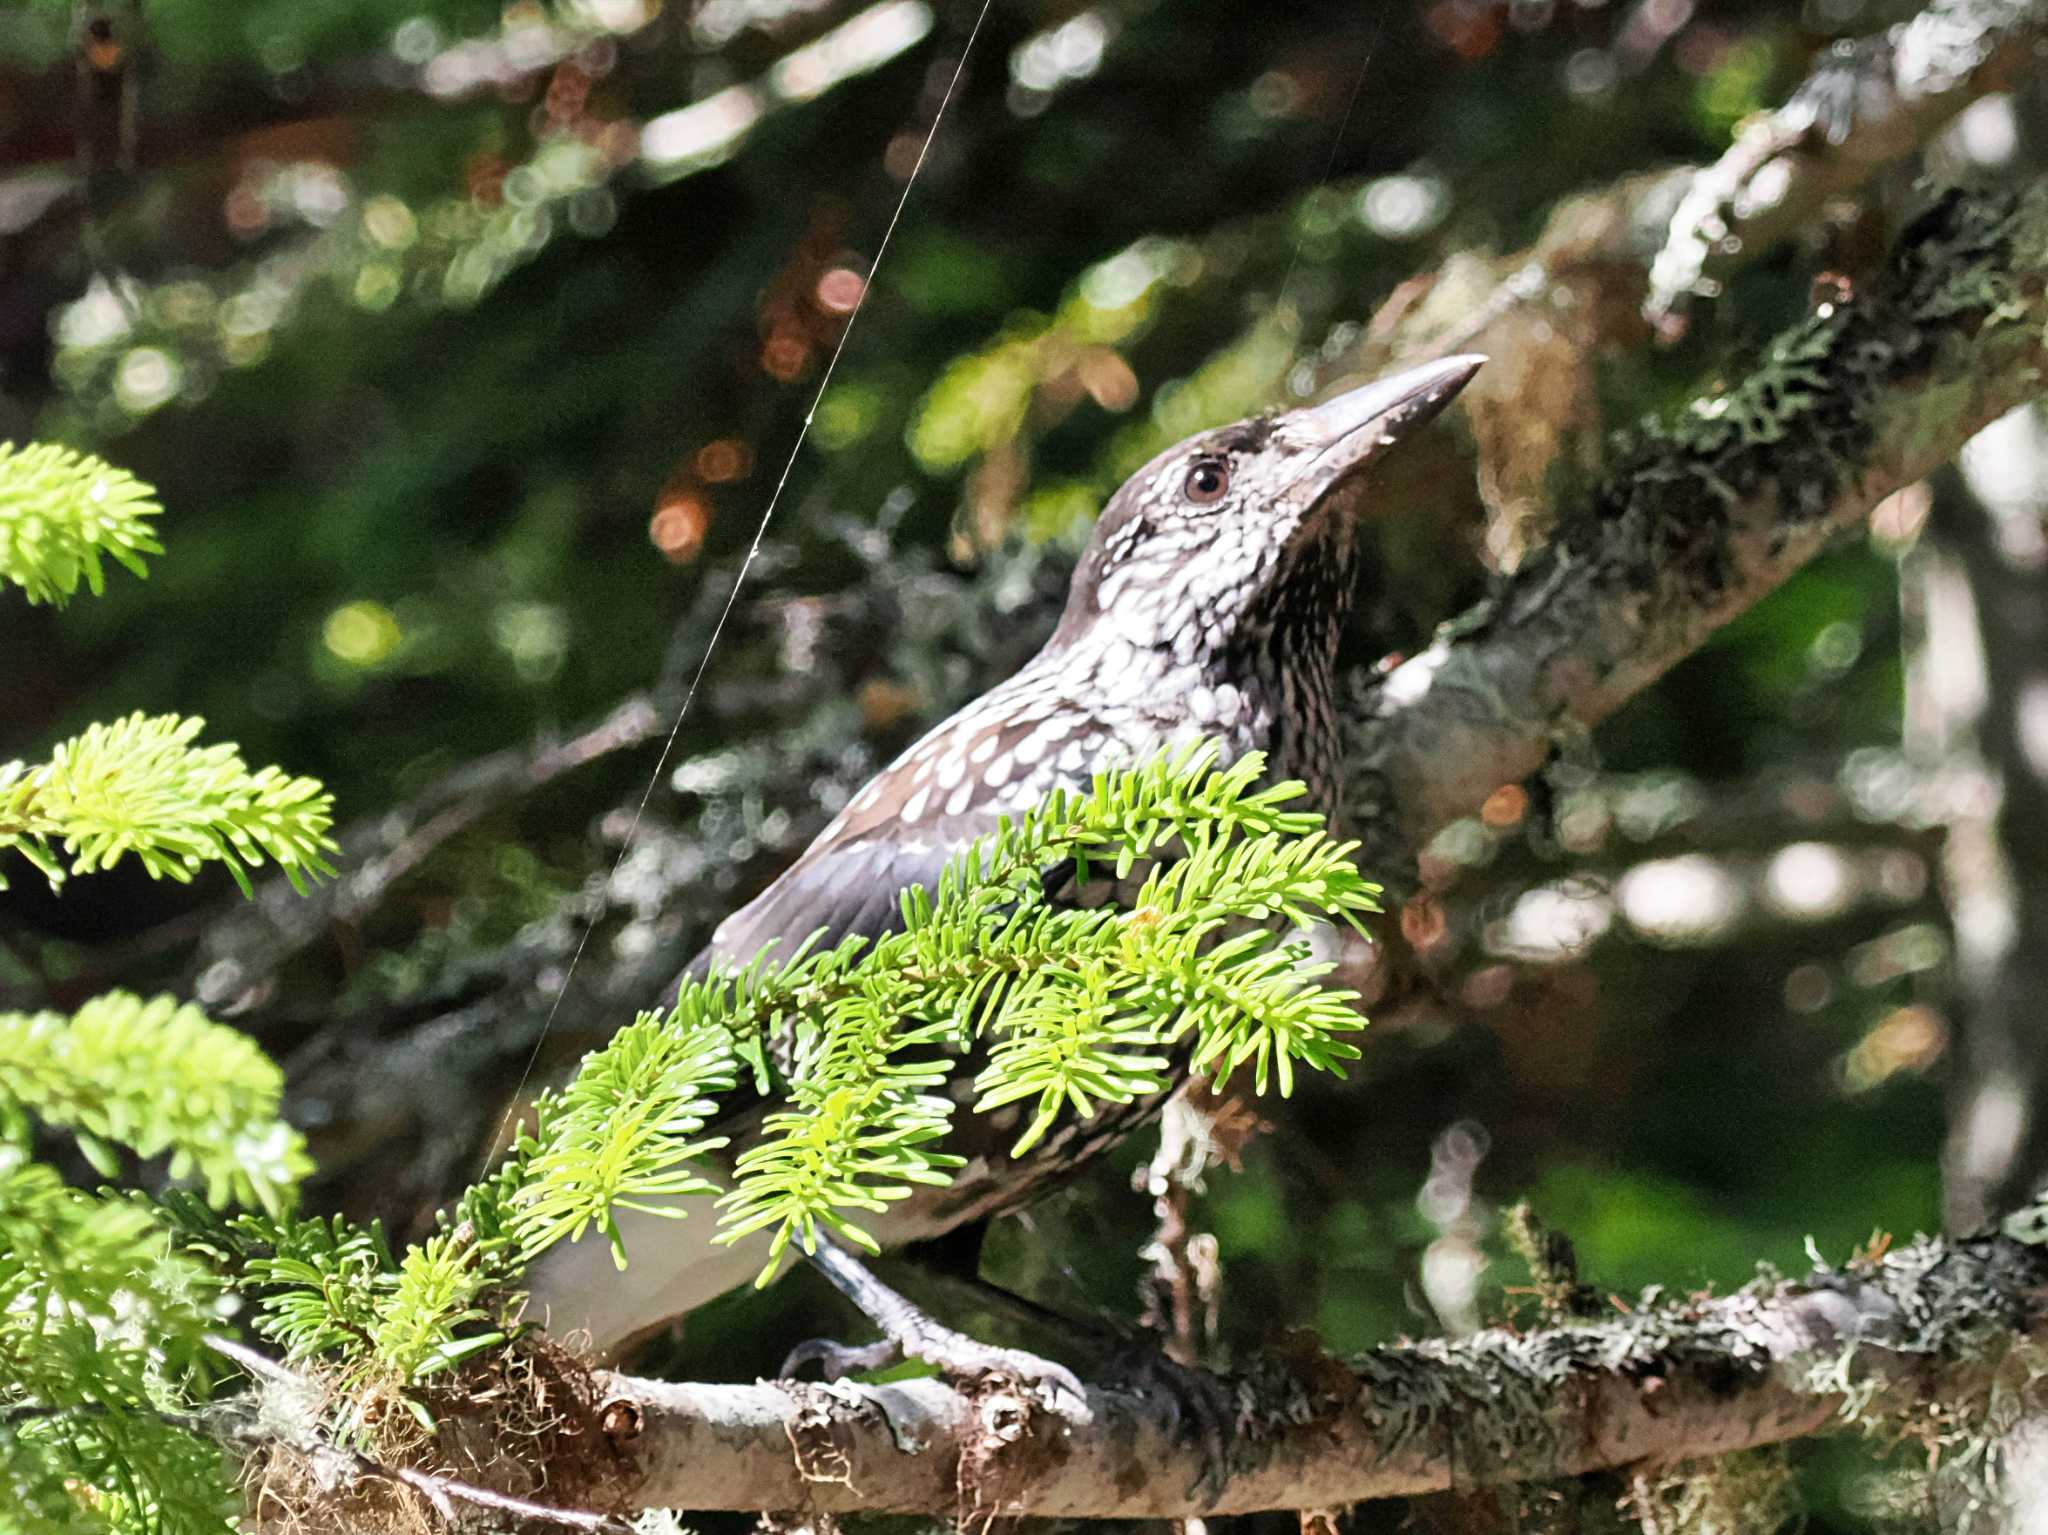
{"x": 1207, "y": 605}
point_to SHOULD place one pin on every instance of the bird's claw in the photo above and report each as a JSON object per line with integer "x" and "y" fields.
{"x": 952, "y": 1354}
{"x": 836, "y": 1361}
{"x": 1202, "y": 1410}
{"x": 957, "y": 1355}
{"x": 910, "y": 1333}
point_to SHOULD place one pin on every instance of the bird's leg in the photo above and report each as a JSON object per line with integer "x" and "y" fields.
{"x": 836, "y": 1361}
{"x": 1201, "y": 1406}
{"x": 947, "y": 1270}
{"x": 908, "y": 1332}
{"x": 1020, "y": 1314}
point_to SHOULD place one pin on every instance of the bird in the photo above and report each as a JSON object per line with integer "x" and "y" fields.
{"x": 1207, "y": 606}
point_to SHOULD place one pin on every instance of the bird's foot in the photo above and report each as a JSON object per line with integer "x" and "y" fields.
{"x": 1202, "y": 1409}
{"x": 909, "y": 1333}
{"x": 954, "y": 1353}
{"x": 836, "y": 1361}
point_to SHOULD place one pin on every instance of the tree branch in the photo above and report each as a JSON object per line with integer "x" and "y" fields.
{"x": 244, "y": 947}
{"x": 1701, "y": 517}
{"x": 1698, "y": 519}
{"x": 1615, "y": 265}
{"x": 1928, "y": 1327}
{"x": 289, "y": 1410}
{"x": 1871, "y": 102}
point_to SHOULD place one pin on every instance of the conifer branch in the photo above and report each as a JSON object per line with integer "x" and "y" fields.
{"x": 1705, "y": 512}
{"x": 102, "y": 1309}
{"x": 1081, "y": 1008}
{"x": 160, "y": 1078}
{"x": 100, "y": 1358}
{"x": 62, "y": 513}
{"x": 140, "y": 785}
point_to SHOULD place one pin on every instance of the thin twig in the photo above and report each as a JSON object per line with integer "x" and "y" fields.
{"x": 1866, "y": 105}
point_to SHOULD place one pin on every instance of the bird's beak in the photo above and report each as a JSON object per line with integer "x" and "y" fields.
{"x": 1359, "y": 426}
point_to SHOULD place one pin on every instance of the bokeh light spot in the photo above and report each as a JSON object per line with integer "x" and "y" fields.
{"x": 1689, "y": 899}
{"x": 148, "y": 377}
{"x": 678, "y": 527}
{"x": 784, "y": 356}
{"x": 389, "y": 222}
{"x": 1402, "y": 207}
{"x": 1908, "y": 1038}
{"x": 728, "y": 459}
{"x": 535, "y": 635}
{"x": 362, "y": 633}
{"x": 1505, "y": 806}
{"x": 839, "y": 290}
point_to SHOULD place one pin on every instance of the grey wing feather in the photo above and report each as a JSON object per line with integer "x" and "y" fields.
{"x": 852, "y": 880}
{"x": 849, "y": 886}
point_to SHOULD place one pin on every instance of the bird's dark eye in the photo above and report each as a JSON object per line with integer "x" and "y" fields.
{"x": 1207, "y": 481}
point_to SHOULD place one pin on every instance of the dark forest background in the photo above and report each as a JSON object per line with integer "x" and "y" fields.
{"x": 466, "y": 346}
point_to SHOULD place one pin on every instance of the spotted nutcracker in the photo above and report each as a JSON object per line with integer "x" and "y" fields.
{"x": 1207, "y": 605}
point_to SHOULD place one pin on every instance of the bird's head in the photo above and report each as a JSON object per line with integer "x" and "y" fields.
{"x": 1232, "y": 526}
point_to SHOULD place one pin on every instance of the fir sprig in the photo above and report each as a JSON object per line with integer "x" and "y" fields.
{"x": 103, "y": 1367}
{"x": 1081, "y": 1008}
{"x": 141, "y": 785}
{"x": 325, "y": 1287}
{"x": 62, "y": 512}
{"x": 158, "y": 1077}
{"x": 852, "y": 1046}
{"x": 626, "y": 1132}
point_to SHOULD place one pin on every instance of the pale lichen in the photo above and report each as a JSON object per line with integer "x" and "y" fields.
{"x": 1749, "y": 1493}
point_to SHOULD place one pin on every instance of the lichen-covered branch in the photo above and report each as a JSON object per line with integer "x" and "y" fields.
{"x": 1886, "y": 1346}
{"x": 1617, "y": 264}
{"x": 1701, "y": 516}
{"x": 1869, "y": 103}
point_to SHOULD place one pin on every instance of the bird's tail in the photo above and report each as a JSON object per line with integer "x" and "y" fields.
{"x": 580, "y": 1295}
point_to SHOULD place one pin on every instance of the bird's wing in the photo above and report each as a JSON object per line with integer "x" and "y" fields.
{"x": 996, "y": 758}
{"x": 847, "y": 882}
{"x": 1006, "y": 753}
{"x": 845, "y": 886}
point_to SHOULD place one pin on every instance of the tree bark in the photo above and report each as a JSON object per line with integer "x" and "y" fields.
{"x": 1869, "y": 104}
{"x": 1936, "y": 1331}
{"x": 1703, "y": 516}
{"x": 1698, "y": 520}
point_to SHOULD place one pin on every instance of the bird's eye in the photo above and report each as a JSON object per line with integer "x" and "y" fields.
{"x": 1207, "y": 481}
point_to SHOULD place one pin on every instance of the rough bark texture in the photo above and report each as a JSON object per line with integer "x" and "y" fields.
{"x": 1701, "y": 517}
{"x": 1613, "y": 267}
{"x": 1928, "y": 1326}
{"x": 1695, "y": 521}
